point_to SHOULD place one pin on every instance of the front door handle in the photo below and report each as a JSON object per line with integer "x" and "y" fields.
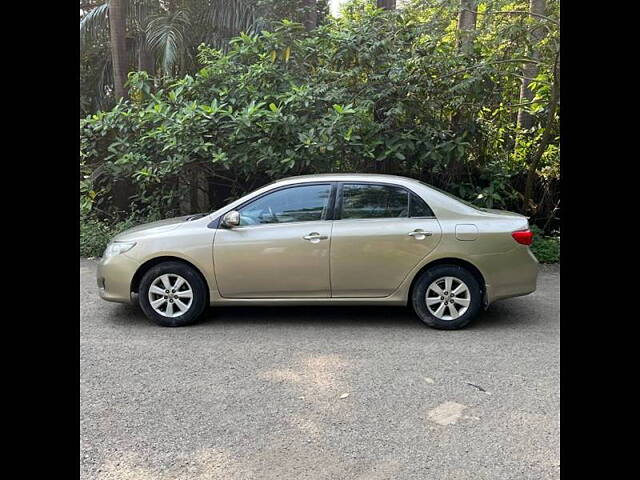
{"x": 315, "y": 237}
{"x": 419, "y": 234}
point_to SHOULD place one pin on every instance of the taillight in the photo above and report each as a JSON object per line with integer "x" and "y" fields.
{"x": 524, "y": 237}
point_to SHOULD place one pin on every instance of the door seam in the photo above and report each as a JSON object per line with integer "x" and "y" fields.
{"x": 330, "y": 277}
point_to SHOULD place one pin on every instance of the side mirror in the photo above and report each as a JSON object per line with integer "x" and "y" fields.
{"x": 231, "y": 219}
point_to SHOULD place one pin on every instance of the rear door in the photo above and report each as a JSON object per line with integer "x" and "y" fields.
{"x": 380, "y": 233}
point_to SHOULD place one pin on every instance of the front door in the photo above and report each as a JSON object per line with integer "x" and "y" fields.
{"x": 380, "y": 234}
{"x": 281, "y": 247}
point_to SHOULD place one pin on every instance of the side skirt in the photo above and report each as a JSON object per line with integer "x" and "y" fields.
{"x": 391, "y": 300}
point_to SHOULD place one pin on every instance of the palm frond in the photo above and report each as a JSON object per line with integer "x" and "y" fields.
{"x": 225, "y": 19}
{"x": 140, "y": 12}
{"x": 166, "y": 37}
{"x": 105, "y": 85}
{"x": 94, "y": 23}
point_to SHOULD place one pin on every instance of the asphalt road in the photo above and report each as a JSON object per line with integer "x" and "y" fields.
{"x": 256, "y": 393}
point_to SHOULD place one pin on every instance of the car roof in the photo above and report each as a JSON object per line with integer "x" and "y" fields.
{"x": 346, "y": 177}
{"x": 439, "y": 201}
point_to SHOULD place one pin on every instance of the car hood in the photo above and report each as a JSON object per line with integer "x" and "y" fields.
{"x": 151, "y": 228}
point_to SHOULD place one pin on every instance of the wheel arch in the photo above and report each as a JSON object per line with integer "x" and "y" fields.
{"x": 146, "y": 266}
{"x": 470, "y": 267}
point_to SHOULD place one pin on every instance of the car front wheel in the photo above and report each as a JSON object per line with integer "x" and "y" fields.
{"x": 447, "y": 297}
{"x": 172, "y": 294}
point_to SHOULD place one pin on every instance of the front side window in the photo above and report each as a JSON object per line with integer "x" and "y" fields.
{"x": 296, "y": 204}
{"x": 374, "y": 201}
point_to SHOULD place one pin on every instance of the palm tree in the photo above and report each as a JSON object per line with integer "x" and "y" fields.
{"x": 118, "y": 34}
{"x": 161, "y": 35}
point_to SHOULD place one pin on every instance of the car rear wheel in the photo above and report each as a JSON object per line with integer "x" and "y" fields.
{"x": 447, "y": 297}
{"x": 172, "y": 294}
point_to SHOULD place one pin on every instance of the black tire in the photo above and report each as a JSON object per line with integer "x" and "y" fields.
{"x": 198, "y": 287}
{"x": 427, "y": 278}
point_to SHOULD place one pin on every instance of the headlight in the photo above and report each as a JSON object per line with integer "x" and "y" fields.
{"x": 116, "y": 248}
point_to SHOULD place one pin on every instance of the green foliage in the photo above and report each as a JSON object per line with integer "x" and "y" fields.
{"x": 96, "y": 234}
{"x": 373, "y": 91}
{"x": 546, "y": 248}
{"x": 171, "y": 32}
{"x": 272, "y": 11}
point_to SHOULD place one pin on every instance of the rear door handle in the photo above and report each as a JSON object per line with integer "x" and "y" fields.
{"x": 315, "y": 237}
{"x": 419, "y": 234}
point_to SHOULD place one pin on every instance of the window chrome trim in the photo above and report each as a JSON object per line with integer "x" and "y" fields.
{"x": 333, "y": 207}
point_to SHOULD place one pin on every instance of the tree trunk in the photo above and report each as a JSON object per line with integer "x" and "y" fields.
{"x": 544, "y": 141}
{"x": 530, "y": 70}
{"x": 146, "y": 62}
{"x": 117, "y": 24}
{"x": 387, "y": 4}
{"x": 310, "y": 14}
{"x": 467, "y": 25}
{"x": 461, "y": 120}
{"x": 193, "y": 191}
{"x": 122, "y": 190}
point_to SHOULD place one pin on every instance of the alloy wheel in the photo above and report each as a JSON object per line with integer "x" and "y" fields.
{"x": 448, "y": 298}
{"x": 170, "y": 295}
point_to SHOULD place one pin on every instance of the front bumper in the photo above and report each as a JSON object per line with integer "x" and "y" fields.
{"x": 114, "y": 278}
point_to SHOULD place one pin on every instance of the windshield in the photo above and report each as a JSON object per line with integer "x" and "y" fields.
{"x": 450, "y": 195}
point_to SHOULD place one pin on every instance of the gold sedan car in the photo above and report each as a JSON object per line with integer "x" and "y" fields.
{"x": 326, "y": 239}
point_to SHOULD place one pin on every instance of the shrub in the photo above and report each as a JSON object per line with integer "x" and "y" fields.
{"x": 545, "y": 248}
{"x": 370, "y": 92}
{"x": 95, "y": 234}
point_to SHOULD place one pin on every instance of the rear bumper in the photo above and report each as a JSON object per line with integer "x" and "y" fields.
{"x": 511, "y": 274}
{"x": 114, "y": 278}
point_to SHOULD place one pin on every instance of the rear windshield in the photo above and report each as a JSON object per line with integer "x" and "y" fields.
{"x": 450, "y": 195}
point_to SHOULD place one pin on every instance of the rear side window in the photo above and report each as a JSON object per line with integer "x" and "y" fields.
{"x": 418, "y": 207}
{"x": 374, "y": 201}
